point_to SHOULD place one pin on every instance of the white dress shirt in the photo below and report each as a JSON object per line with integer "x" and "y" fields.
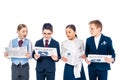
{"x": 73, "y": 50}
{"x": 97, "y": 39}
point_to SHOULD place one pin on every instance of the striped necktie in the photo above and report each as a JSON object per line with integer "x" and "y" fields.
{"x": 46, "y": 43}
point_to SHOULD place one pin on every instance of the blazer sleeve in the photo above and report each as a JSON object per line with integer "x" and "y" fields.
{"x": 110, "y": 48}
{"x": 86, "y": 48}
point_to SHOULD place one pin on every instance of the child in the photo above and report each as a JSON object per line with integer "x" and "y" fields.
{"x": 98, "y": 44}
{"x": 72, "y": 54}
{"x": 20, "y": 66}
{"x": 45, "y": 68}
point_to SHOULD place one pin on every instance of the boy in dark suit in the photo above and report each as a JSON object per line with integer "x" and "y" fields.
{"x": 45, "y": 68}
{"x": 98, "y": 44}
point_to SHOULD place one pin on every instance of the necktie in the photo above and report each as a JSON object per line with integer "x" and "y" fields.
{"x": 46, "y": 43}
{"x": 20, "y": 43}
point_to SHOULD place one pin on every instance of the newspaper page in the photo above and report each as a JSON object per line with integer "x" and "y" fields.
{"x": 72, "y": 59}
{"x": 17, "y": 52}
{"x": 45, "y": 51}
{"x": 98, "y": 58}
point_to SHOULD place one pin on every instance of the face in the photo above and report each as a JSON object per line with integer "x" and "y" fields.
{"x": 94, "y": 30}
{"x": 70, "y": 33}
{"x": 47, "y": 34}
{"x": 22, "y": 33}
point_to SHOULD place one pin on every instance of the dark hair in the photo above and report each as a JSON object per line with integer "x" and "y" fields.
{"x": 47, "y": 26}
{"x": 20, "y": 26}
{"x": 97, "y": 23}
{"x": 71, "y": 26}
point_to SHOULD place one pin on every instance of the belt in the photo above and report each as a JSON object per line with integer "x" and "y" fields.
{"x": 20, "y": 65}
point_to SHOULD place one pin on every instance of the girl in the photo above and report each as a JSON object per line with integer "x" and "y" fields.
{"x": 72, "y": 54}
{"x": 20, "y": 66}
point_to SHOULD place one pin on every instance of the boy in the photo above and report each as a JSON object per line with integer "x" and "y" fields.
{"x": 45, "y": 68}
{"x": 98, "y": 44}
{"x": 20, "y": 66}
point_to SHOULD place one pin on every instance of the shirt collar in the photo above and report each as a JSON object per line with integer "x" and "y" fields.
{"x": 73, "y": 40}
{"x": 20, "y": 39}
{"x": 48, "y": 40}
{"x": 98, "y": 37}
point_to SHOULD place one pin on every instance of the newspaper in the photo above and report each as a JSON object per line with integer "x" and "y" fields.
{"x": 45, "y": 51}
{"x": 72, "y": 59}
{"x": 17, "y": 52}
{"x": 98, "y": 58}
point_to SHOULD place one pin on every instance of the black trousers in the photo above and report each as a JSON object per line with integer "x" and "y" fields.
{"x": 45, "y": 75}
{"x": 98, "y": 74}
{"x": 20, "y": 72}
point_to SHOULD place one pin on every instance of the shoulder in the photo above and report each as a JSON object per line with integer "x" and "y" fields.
{"x": 105, "y": 37}
{"x": 40, "y": 40}
{"x": 26, "y": 39}
{"x": 89, "y": 38}
{"x": 13, "y": 40}
{"x": 65, "y": 42}
{"x": 53, "y": 40}
{"x": 80, "y": 40}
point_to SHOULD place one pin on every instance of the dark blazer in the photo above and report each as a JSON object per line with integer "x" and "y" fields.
{"x": 46, "y": 63}
{"x": 104, "y": 48}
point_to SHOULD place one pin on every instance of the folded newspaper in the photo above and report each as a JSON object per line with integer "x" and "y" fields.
{"x": 17, "y": 52}
{"x": 73, "y": 59}
{"x": 45, "y": 51}
{"x": 98, "y": 58}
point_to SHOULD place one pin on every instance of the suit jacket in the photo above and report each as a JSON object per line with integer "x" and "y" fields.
{"x": 104, "y": 48}
{"x": 46, "y": 62}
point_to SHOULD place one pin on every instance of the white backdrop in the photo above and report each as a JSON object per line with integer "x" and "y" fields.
{"x": 60, "y": 13}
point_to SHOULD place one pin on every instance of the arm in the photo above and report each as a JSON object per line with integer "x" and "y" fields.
{"x": 36, "y": 56}
{"x": 63, "y": 53}
{"x": 110, "y": 52}
{"x": 30, "y": 49}
{"x": 56, "y": 58}
{"x": 87, "y": 52}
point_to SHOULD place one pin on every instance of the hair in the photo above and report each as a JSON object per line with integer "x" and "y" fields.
{"x": 20, "y": 26}
{"x": 97, "y": 23}
{"x": 47, "y": 26}
{"x": 71, "y": 26}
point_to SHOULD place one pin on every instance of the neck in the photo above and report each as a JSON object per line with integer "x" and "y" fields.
{"x": 72, "y": 38}
{"x": 97, "y": 34}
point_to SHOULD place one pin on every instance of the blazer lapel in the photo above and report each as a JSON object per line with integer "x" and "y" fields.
{"x": 50, "y": 42}
{"x": 101, "y": 40}
{"x": 93, "y": 41}
{"x": 42, "y": 42}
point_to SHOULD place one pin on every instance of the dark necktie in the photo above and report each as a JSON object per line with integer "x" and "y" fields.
{"x": 20, "y": 43}
{"x": 46, "y": 43}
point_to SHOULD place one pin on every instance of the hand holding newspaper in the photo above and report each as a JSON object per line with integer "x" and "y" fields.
{"x": 45, "y": 51}
{"x": 98, "y": 58}
{"x": 17, "y": 52}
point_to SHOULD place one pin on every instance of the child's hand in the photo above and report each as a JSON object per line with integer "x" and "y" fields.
{"x": 36, "y": 56}
{"x": 87, "y": 61}
{"x": 5, "y": 54}
{"x": 28, "y": 55}
{"x": 64, "y": 59}
{"x": 83, "y": 56}
{"x": 109, "y": 60}
{"x": 54, "y": 57}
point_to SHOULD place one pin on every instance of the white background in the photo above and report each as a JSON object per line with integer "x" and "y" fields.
{"x": 60, "y": 13}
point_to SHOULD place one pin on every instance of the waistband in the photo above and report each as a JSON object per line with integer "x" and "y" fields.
{"x": 20, "y": 65}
